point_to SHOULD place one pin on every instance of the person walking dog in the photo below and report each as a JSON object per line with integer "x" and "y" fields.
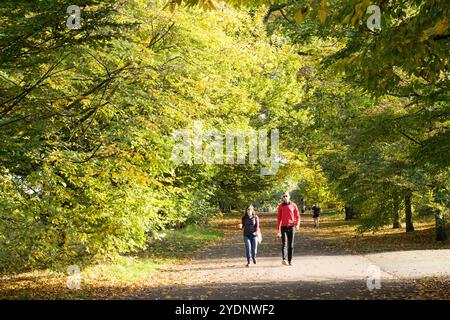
{"x": 288, "y": 222}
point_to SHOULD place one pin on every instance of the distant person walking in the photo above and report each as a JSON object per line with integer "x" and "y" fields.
{"x": 250, "y": 224}
{"x": 316, "y": 215}
{"x": 288, "y": 222}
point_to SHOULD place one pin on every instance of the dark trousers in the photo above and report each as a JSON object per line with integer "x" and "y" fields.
{"x": 287, "y": 234}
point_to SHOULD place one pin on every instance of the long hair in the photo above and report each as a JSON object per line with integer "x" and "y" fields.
{"x": 246, "y": 209}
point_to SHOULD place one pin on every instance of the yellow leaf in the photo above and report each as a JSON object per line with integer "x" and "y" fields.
{"x": 323, "y": 11}
{"x": 358, "y": 13}
{"x": 424, "y": 36}
{"x": 347, "y": 19}
{"x": 300, "y": 14}
{"x": 441, "y": 27}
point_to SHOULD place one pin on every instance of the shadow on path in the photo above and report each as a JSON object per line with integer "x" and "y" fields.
{"x": 320, "y": 271}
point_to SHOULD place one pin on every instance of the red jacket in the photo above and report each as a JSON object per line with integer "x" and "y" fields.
{"x": 285, "y": 217}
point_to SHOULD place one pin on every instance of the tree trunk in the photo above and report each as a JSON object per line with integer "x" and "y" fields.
{"x": 408, "y": 213}
{"x": 441, "y": 234}
{"x": 349, "y": 213}
{"x": 396, "y": 209}
{"x": 224, "y": 207}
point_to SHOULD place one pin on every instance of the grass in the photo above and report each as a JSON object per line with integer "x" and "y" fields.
{"x": 114, "y": 279}
{"x": 129, "y": 274}
{"x": 180, "y": 244}
{"x": 126, "y": 269}
{"x": 332, "y": 216}
{"x": 344, "y": 235}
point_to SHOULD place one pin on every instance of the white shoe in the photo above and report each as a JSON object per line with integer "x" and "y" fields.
{"x": 284, "y": 262}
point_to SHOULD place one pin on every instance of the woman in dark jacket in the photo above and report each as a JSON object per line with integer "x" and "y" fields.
{"x": 316, "y": 215}
{"x": 250, "y": 224}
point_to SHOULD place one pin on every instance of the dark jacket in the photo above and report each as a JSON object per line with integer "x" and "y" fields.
{"x": 250, "y": 225}
{"x": 316, "y": 211}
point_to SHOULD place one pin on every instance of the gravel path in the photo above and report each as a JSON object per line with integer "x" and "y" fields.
{"x": 320, "y": 270}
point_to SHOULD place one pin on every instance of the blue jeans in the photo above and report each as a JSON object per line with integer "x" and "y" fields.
{"x": 251, "y": 247}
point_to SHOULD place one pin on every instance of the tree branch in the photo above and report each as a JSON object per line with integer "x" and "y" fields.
{"x": 410, "y": 138}
{"x": 273, "y": 8}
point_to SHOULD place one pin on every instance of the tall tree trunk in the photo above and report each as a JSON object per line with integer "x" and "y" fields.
{"x": 349, "y": 213}
{"x": 221, "y": 206}
{"x": 441, "y": 234}
{"x": 396, "y": 213}
{"x": 408, "y": 213}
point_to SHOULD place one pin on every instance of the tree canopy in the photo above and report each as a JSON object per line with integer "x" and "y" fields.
{"x": 87, "y": 115}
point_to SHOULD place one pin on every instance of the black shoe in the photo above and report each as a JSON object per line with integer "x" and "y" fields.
{"x": 290, "y": 263}
{"x": 254, "y": 260}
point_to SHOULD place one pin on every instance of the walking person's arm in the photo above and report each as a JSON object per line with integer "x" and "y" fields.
{"x": 297, "y": 218}
{"x": 258, "y": 231}
{"x": 279, "y": 221}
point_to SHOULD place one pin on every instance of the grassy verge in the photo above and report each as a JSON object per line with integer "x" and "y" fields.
{"x": 343, "y": 234}
{"x": 114, "y": 279}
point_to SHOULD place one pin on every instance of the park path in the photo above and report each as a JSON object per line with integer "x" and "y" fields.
{"x": 320, "y": 270}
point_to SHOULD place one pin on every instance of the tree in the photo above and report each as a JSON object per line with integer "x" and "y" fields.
{"x": 88, "y": 115}
{"x": 410, "y": 87}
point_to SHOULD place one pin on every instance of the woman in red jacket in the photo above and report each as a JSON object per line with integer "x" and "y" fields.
{"x": 288, "y": 219}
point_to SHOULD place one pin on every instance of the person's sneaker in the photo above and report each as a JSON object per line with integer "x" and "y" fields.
{"x": 247, "y": 265}
{"x": 290, "y": 263}
{"x": 254, "y": 260}
{"x": 284, "y": 262}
